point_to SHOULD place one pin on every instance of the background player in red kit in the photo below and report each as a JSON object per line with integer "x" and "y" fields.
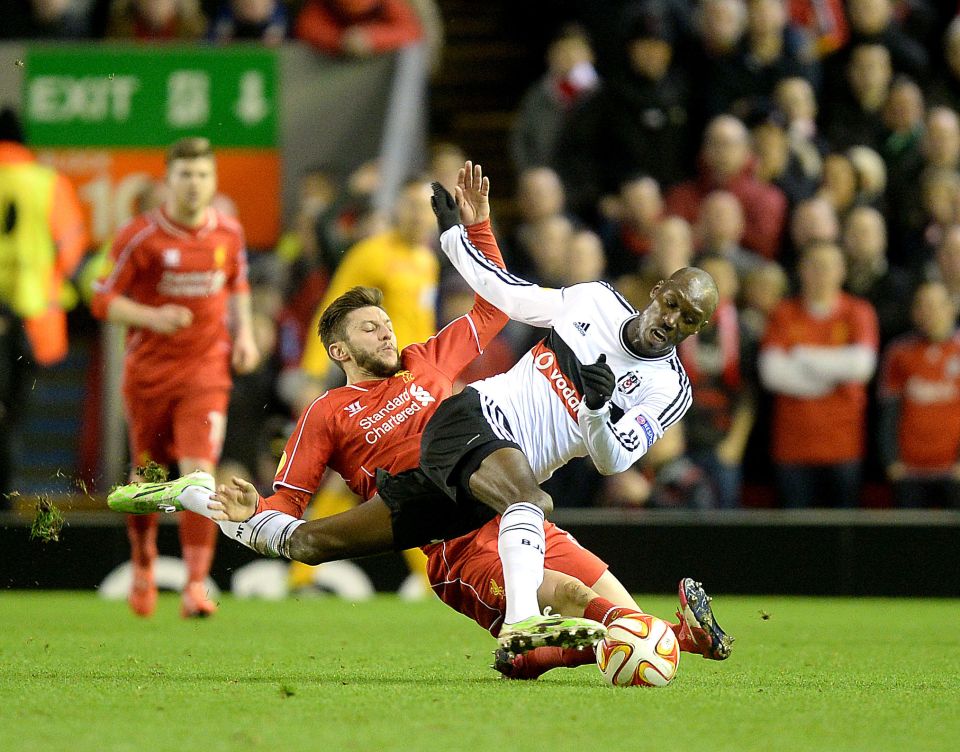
{"x": 178, "y": 279}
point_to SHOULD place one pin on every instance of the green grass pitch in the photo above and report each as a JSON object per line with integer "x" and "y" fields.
{"x": 79, "y": 673}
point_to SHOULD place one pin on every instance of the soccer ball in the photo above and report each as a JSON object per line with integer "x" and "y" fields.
{"x": 639, "y": 651}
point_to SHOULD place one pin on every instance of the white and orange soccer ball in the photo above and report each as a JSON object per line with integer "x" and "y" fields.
{"x": 639, "y": 651}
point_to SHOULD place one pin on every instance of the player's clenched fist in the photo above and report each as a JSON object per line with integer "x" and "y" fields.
{"x": 598, "y": 383}
{"x": 169, "y": 318}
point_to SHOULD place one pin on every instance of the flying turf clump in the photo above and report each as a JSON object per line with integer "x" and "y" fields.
{"x": 47, "y": 522}
{"x": 153, "y": 473}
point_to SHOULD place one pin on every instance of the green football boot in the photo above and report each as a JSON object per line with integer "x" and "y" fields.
{"x": 550, "y": 630}
{"x": 146, "y": 498}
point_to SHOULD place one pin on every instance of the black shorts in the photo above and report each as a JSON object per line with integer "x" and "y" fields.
{"x": 420, "y": 513}
{"x": 433, "y": 502}
{"x": 462, "y": 433}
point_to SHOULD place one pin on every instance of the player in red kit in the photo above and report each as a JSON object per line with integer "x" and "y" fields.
{"x": 177, "y": 279}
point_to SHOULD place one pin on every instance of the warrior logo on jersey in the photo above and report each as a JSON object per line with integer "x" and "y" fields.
{"x": 354, "y": 407}
{"x": 421, "y": 395}
{"x": 628, "y": 383}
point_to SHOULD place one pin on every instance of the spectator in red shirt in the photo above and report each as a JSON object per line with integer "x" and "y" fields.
{"x": 920, "y": 405}
{"x": 357, "y": 28}
{"x": 823, "y": 20}
{"x": 818, "y": 353}
{"x": 727, "y": 164}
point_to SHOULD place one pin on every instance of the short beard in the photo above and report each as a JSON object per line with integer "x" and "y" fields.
{"x": 375, "y": 366}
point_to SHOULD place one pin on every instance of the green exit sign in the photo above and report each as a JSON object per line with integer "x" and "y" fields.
{"x": 150, "y": 96}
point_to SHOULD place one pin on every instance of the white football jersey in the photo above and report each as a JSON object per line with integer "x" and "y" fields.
{"x": 539, "y": 402}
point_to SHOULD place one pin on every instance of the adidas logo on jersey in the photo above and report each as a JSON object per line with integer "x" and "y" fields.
{"x": 354, "y": 407}
{"x": 581, "y": 327}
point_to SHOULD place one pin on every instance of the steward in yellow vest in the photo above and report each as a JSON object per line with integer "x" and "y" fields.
{"x": 42, "y": 240}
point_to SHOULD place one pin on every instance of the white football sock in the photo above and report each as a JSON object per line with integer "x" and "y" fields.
{"x": 268, "y": 533}
{"x": 522, "y": 544}
{"x": 196, "y": 498}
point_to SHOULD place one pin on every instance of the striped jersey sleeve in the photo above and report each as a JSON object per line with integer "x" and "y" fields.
{"x": 519, "y": 299}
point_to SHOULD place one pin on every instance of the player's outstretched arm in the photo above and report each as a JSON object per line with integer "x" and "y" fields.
{"x": 519, "y": 299}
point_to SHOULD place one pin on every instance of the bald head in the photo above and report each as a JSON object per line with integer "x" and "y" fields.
{"x": 700, "y": 287}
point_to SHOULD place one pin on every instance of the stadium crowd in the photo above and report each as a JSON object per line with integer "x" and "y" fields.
{"x": 806, "y": 153}
{"x": 349, "y": 28}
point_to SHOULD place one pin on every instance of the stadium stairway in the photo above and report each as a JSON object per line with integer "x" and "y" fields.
{"x": 488, "y": 62}
{"x": 47, "y": 451}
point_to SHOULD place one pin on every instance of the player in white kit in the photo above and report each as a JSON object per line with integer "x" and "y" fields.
{"x": 605, "y": 382}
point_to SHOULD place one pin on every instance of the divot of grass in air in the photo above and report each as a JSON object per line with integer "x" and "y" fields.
{"x": 48, "y": 521}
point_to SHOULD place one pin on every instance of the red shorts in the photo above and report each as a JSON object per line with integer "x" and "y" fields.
{"x": 466, "y": 573}
{"x": 166, "y": 429}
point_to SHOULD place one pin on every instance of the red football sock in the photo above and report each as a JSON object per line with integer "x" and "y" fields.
{"x": 605, "y": 612}
{"x": 540, "y": 660}
{"x": 142, "y": 533}
{"x": 685, "y": 639}
{"x": 198, "y": 540}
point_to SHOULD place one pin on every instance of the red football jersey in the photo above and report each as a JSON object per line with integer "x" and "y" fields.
{"x": 831, "y": 428}
{"x": 925, "y": 376}
{"x": 361, "y": 427}
{"x": 155, "y": 261}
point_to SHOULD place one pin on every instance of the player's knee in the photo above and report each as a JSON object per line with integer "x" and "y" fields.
{"x": 543, "y": 501}
{"x": 310, "y": 545}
